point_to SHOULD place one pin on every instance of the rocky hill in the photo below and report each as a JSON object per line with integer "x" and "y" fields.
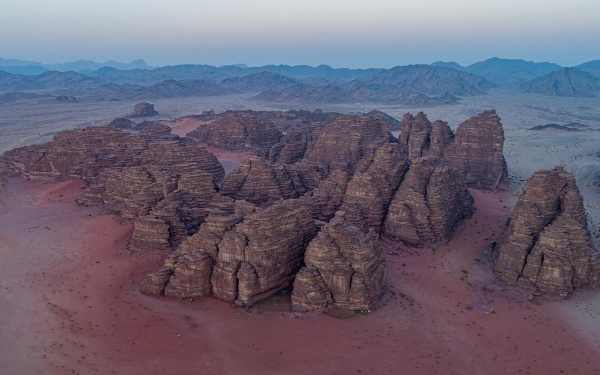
{"x": 565, "y": 82}
{"x": 257, "y": 82}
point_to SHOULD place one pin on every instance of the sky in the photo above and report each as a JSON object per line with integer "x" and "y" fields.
{"x": 340, "y": 33}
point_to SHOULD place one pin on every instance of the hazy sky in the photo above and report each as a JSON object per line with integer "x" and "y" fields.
{"x": 341, "y": 33}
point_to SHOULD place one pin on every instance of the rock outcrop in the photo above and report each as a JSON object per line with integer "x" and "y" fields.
{"x": 369, "y": 193}
{"x": 345, "y": 268}
{"x": 259, "y": 181}
{"x": 84, "y": 153}
{"x": 237, "y": 131}
{"x": 430, "y": 204}
{"x": 475, "y": 150}
{"x": 347, "y": 140}
{"x": 242, "y": 257}
{"x": 415, "y": 134}
{"x": 548, "y": 247}
{"x": 143, "y": 110}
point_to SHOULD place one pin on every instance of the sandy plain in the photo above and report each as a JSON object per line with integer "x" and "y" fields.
{"x": 69, "y": 289}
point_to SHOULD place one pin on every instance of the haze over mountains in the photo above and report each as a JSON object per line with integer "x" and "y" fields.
{"x": 435, "y": 84}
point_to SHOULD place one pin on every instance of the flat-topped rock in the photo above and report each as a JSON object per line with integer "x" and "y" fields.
{"x": 143, "y": 110}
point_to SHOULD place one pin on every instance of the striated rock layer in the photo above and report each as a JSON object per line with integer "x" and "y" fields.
{"x": 430, "y": 204}
{"x": 236, "y": 131}
{"x": 347, "y": 140}
{"x": 84, "y": 153}
{"x": 476, "y": 150}
{"x": 345, "y": 268}
{"x": 242, "y": 257}
{"x": 259, "y": 181}
{"x": 548, "y": 247}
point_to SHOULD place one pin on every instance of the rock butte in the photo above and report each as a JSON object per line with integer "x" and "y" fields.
{"x": 143, "y": 110}
{"x": 548, "y": 248}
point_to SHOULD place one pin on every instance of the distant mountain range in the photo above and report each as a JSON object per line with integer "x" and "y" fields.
{"x": 412, "y": 84}
{"x": 504, "y": 71}
{"x": 565, "y": 82}
{"x": 438, "y": 83}
{"x": 16, "y": 66}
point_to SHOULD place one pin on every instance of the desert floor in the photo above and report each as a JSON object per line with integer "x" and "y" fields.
{"x": 69, "y": 289}
{"x": 70, "y": 303}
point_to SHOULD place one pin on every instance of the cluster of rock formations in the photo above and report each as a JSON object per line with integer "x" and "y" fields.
{"x": 242, "y": 257}
{"x": 548, "y": 248}
{"x": 475, "y": 150}
{"x": 307, "y": 212}
{"x": 143, "y": 110}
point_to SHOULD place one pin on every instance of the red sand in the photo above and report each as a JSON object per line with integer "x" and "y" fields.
{"x": 184, "y": 125}
{"x": 70, "y": 303}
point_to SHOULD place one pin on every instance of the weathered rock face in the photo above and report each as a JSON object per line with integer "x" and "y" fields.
{"x": 237, "y": 131}
{"x": 477, "y": 151}
{"x": 415, "y": 134}
{"x": 430, "y": 204}
{"x": 441, "y": 137}
{"x": 80, "y": 153}
{"x": 259, "y": 181}
{"x": 242, "y": 257}
{"x": 548, "y": 247}
{"x": 293, "y": 145}
{"x": 84, "y": 153}
{"x": 324, "y": 201}
{"x": 143, "y": 110}
{"x": 347, "y": 140}
{"x": 369, "y": 193}
{"x": 345, "y": 268}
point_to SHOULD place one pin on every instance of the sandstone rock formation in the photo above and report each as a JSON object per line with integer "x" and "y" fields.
{"x": 548, "y": 247}
{"x": 347, "y": 140}
{"x": 237, "y": 131}
{"x": 345, "y": 268}
{"x": 243, "y": 257}
{"x": 293, "y": 145}
{"x": 475, "y": 151}
{"x": 369, "y": 193}
{"x": 143, "y": 110}
{"x": 80, "y": 153}
{"x": 415, "y": 134}
{"x": 430, "y": 204}
{"x": 259, "y": 181}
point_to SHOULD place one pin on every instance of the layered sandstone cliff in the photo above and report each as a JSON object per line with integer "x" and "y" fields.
{"x": 430, "y": 204}
{"x": 548, "y": 247}
{"x": 347, "y": 140}
{"x": 237, "y": 131}
{"x": 345, "y": 268}
{"x": 240, "y": 258}
{"x": 476, "y": 150}
{"x": 259, "y": 181}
